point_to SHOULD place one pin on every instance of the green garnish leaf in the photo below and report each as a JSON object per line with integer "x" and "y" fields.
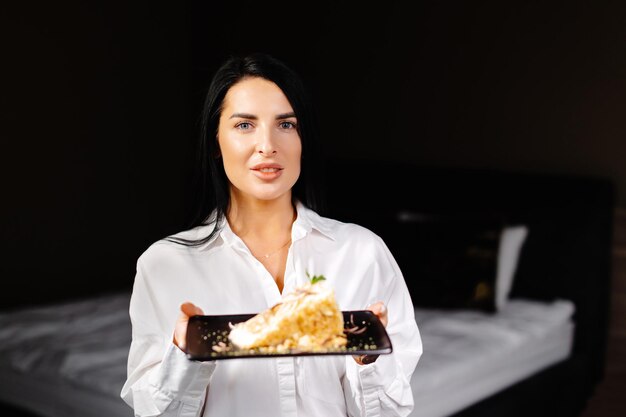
{"x": 317, "y": 278}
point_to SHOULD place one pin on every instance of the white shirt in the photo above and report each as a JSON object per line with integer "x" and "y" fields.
{"x": 222, "y": 277}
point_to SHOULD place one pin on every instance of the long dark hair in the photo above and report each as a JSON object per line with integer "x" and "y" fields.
{"x": 211, "y": 189}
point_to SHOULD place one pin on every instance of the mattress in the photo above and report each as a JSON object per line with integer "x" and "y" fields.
{"x": 470, "y": 355}
{"x": 69, "y": 360}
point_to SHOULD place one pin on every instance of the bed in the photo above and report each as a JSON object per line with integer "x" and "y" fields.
{"x": 471, "y": 355}
{"x": 63, "y": 360}
{"x": 538, "y": 350}
{"x": 67, "y": 359}
{"x": 562, "y": 268}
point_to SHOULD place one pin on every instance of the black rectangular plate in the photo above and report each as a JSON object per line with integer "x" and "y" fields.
{"x": 204, "y": 332}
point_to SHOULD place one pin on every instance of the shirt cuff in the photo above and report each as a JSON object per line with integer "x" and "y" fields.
{"x": 380, "y": 373}
{"x": 180, "y": 378}
{"x": 374, "y": 379}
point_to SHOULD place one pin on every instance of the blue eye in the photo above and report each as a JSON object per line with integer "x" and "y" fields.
{"x": 243, "y": 126}
{"x": 287, "y": 125}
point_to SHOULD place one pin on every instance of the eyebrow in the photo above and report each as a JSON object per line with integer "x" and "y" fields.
{"x": 253, "y": 117}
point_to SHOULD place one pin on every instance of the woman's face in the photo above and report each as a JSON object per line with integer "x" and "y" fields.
{"x": 259, "y": 141}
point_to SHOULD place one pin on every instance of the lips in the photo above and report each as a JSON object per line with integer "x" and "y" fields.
{"x": 267, "y": 167}
{"x": 267, "y": 171}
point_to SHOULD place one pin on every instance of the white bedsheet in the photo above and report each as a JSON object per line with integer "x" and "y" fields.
{"x": 72, "y": 357}
{"x": 69, "y": 359}
{"x": 469, "y": 355}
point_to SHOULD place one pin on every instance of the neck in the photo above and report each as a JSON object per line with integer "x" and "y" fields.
{"x": 261, "y": 219}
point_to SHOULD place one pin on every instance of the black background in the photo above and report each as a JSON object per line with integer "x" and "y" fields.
{"x": 100, "y": 102}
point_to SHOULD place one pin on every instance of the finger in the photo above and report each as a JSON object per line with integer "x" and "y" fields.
{"x": 365, "y": 359}
{"x": 190, "y": 309}
{"x": 380, "y": 310}
{"x": 377, "y": 308}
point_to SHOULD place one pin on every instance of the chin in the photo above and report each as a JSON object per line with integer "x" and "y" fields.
{"x": 268, "y": 195}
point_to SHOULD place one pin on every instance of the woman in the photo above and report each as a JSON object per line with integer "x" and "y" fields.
{"x": 255, "y": 235}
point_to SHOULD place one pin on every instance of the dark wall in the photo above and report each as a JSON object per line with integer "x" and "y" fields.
{"x": 95, "y": 144}
{"x": 530, "y": 86}
{"x": 100, "y": 104}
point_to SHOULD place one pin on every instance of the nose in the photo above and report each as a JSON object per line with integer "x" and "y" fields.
{"x": 266, "y": 145}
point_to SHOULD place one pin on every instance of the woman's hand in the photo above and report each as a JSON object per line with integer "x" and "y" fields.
{"x": 180, "y": 332}
{"x": 380, "y": 310}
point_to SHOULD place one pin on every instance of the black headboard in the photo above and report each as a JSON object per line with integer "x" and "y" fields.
{"x": 566, "y": 254}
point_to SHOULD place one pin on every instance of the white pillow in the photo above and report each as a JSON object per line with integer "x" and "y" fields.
{"x": 511, "y": 240}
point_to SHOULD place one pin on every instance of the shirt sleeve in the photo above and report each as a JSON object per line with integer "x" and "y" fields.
{"x": 383, "y": 388}
{"x": 161, "y": 380}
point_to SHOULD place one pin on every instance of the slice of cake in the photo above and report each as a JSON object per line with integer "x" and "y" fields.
{"x": 307, "y": 318}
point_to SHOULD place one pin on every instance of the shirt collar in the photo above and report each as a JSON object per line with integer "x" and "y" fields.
{"x": 306, "y": 221}
{"x": 205, "y": 229}
{"x": 226, "y": 233}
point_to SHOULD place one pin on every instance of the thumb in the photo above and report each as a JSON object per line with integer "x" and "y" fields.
{"x": 380, "y": 310}
{"x": 190, "y": 309}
